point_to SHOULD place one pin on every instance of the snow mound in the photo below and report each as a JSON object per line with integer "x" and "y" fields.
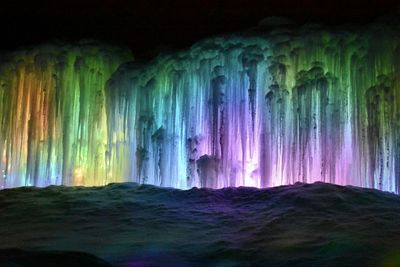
{"x": 128, "y": 224}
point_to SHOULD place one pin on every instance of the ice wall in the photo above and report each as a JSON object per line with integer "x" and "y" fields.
{"x": 262, "y": 110}
{"x": 52, "y": 114}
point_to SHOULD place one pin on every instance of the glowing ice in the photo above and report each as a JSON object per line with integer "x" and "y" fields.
{"x": 291, "y": 105}
{"x": 52, "y": 114}
{"x": 307, "y": 105}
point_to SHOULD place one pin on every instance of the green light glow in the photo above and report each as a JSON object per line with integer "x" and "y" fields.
{"x": 53, "y": 114}
{"x": 291, "y": 105}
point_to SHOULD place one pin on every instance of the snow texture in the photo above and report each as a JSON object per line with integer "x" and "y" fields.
{"x": 141, "y": 225}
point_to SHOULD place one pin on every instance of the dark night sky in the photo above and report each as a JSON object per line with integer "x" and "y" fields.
{"x": 146, "y": 26}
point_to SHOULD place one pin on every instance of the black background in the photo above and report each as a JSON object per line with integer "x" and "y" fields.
{"x": 150, "y": 26}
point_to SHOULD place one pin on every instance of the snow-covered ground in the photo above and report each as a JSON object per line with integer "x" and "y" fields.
{"x": 139, "y": 225}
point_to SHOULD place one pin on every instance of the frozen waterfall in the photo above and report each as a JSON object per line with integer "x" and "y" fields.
{"x": 261, "y": 109}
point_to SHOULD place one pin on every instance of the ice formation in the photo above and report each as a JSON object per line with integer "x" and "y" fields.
{"x": 52, "y": 114}
{"x": 259, "y": 109}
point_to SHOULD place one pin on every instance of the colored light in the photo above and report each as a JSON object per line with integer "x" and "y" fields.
{"x": 255, "y": 111}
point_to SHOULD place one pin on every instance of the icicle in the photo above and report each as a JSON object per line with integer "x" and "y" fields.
{"x": 256, "y": 110}
{"x": 53, "y": 121}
